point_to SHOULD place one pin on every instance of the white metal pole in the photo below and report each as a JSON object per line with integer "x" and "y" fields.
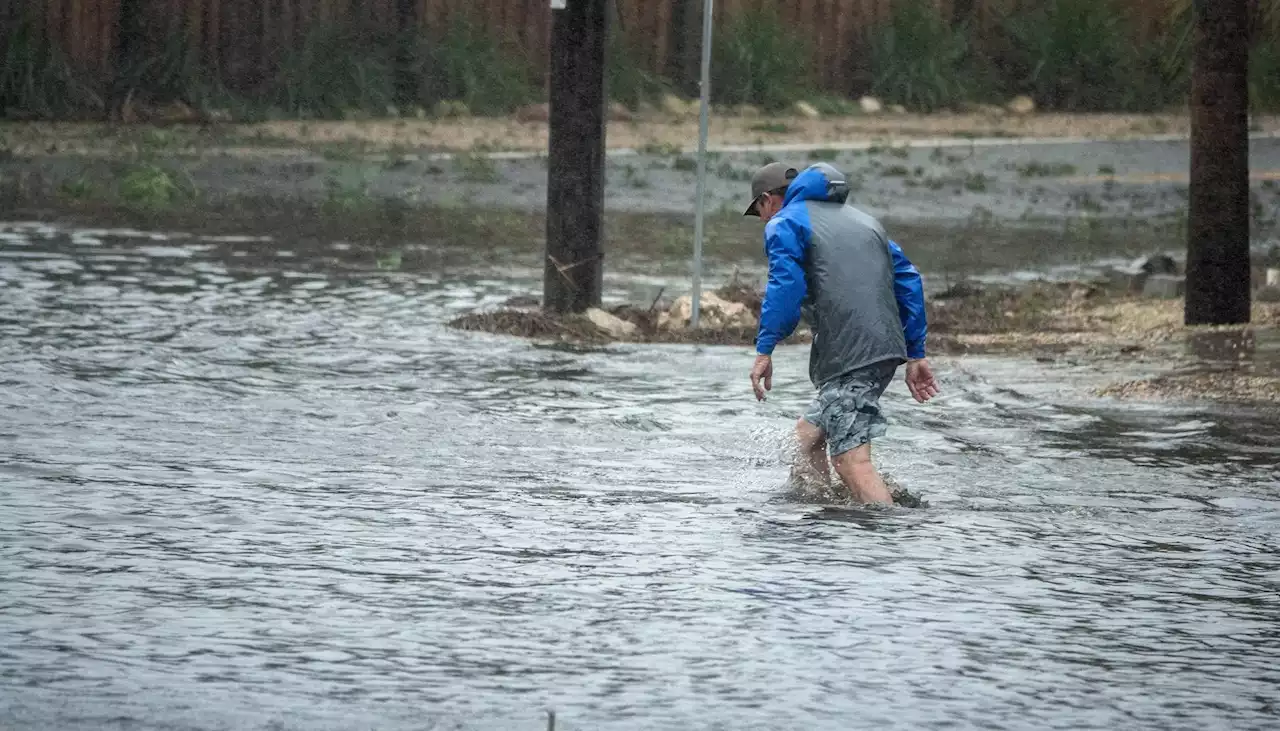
{"x": 703, "y": 121}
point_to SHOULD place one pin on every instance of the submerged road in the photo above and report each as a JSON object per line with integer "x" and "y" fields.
{"x": 920, "y": 181}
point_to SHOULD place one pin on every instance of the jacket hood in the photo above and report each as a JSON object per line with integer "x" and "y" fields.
{"x": 818, "y": 182}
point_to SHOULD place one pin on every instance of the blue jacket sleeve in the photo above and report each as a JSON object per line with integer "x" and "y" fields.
{"x": 908, "y": 289}
{"x": 785, "y": 242}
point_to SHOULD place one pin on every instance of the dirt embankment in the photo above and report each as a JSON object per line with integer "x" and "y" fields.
{"x": 1045, "y": 321}
{"x": 656, "y": 132}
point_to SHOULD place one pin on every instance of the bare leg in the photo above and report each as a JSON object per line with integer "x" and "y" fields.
{"x": 811, "y": 455}
{"x": 860, "y": 476}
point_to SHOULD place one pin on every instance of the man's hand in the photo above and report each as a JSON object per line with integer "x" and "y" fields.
{"x": 762, "y": 376}
{"x": 920, "y": 380}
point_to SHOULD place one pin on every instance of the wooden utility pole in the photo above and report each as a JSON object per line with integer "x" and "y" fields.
{"x": 573, "y": 272}
{"x": 1218, "y": 224}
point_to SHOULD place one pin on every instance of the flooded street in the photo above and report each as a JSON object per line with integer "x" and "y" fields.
{"x": 244, "y": 484}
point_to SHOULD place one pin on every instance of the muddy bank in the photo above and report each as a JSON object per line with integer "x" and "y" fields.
{"x": 653, "y": 130}
{"x": 955, "y": 180}
{"x": 1077, "y": 322}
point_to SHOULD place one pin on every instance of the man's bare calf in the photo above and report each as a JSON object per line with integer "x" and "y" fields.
{"x": 860, "y": 476}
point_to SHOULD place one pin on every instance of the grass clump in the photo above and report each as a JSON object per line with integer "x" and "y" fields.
{"x": 684, "y": 164}
{"x": 1264, "y": 58}
{"x": 1037, "y": 169}
{"x": 78, "y": 189}
{"x": 469, "y": 65}
{"x": 773, "y": 128}
{"x": 1084, "y": 55}
{"x": 335, "y": 71}
{"x": 756, "y": 57}
{"x": 476, "y": 167}
{"x": 924, "y": 62}
{"x": 344, "y": 196}
{"x": 626, "y": 78}
{"x": 976, "y": 183}
{"x": 151, "y": 187}
{"x": 36, "y": 80}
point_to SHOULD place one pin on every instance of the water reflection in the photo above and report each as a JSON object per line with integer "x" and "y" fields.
{"x": 254, "y": 484}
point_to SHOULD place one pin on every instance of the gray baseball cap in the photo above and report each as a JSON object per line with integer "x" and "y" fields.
{"x": 773, "y": 176}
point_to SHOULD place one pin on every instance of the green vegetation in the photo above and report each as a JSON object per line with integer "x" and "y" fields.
{"x": 150, "y": 187}
{"x": 1083, "y": 55}
{"x": 924, "y": 62}
{"x": 660, "y": 149}
{"x": 1037, "y": 169}
{"x": 776, "y": 128}
{"x": 755, "y": 58}
{"x": 1069, "y": 55}
{"x": 36, "y": 79}
{"x": 476, "y": 167}
{"x": 391, "y": 260}
{"x": 824, "y": 154}
{"x": 684, "y": 164}
{"x": 346, "y": 196}
{"x": 79, "y": 189}
{"x": 332, "y": 72}
{"x": 469, "y": 65}
{"x": 626, "y": 78}
{"x": 976, "y": 182}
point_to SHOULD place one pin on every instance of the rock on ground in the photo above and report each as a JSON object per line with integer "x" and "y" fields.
{"x": 1022, "y": 105}
{"x": 807, "y": 110}
{"x": 1164, "y": 286}
{"x": 677, "y": 107}
{"x": 614, "y": 326}
{"x": 870, "y": 105}
{"x": 618, "y": 112}
{"x": 534, "y": 113}
{"x": 716, "y": 313}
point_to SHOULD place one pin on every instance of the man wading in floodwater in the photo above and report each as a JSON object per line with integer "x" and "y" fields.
{"x": 864, "y": 302}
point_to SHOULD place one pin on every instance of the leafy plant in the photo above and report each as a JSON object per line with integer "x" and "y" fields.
{"x": 1082, "y": 55}
{"x": 756, "y": 59}
{"x": 774, "y": 128}
{"x": 626, "y": 78}
{"x": 346, "y": 196}
{"x": 467, "y": 64}
{"x": 476, "y": 167}
{"x": 80, "y": 188}
{"x": 922, "y": 61}
{"x": 1037, "y": 169}
{"x": 36, "y": 79}
{"x": 1264, "y": 58}
{"x": 149, "y": 186}
{"x": 334, "y": 70}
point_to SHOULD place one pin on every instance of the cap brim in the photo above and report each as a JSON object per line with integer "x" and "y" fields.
{"x": 752, "y": 209}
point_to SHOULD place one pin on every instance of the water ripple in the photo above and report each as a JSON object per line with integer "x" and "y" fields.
{"x": 242, "y": 489}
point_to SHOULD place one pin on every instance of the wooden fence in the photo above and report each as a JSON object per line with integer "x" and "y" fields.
{"x": 243, "y": 40}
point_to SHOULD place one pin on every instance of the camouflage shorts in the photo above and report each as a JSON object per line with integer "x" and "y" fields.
{"x": 847, "y": 409}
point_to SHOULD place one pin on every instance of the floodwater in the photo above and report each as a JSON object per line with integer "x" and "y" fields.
{"x": 246, "y": 486}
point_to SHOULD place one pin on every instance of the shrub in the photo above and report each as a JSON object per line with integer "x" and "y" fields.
{"x": 923, "y": 62}
{"x": 1078, "y": 55}
{"x": 757, "y": 59}
{"x": 626, "y": 80}
{"x": 470, "y": 65}
{"x": 335, "y": 70}
{"x": 148, "y": 186}
{"x": 1264, "y": 58}
{"x": 37, "y": 81}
